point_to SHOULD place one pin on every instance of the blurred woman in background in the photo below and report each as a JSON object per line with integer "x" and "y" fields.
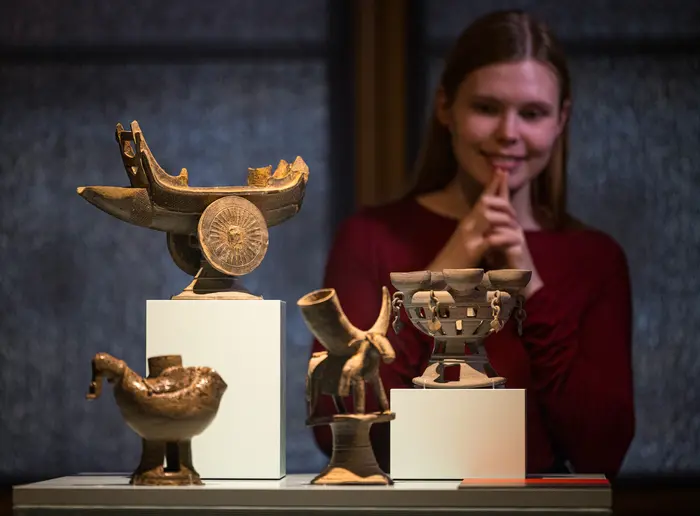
{"x": 490, "y": 193}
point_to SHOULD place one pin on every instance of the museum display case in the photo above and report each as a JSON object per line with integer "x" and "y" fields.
{"x": 207, "y": 444}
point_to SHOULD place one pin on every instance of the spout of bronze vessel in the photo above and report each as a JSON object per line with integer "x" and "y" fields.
{"x": 324, "y": 316}
{"x": 326, "y": 320}
{"x": 133, "y": 205}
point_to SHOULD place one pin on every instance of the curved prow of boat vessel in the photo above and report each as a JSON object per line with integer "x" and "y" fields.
{"x": 153, "y": 172}
{"x": 130, "y": 158}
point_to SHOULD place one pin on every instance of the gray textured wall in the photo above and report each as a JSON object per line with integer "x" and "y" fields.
{"x": 640, "y": 183}
{"x": 634, "y": 167}
{"x": 74, "y": 280}
{"x": 617, "y": 19}
{"x": 80, "y": 22}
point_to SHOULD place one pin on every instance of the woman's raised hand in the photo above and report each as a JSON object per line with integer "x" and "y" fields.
{"x": 506, "y": 244}
{"x": 489, "y": 225}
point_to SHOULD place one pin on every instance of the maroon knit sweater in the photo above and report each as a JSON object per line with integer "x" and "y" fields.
{"x": 573, "y": 358}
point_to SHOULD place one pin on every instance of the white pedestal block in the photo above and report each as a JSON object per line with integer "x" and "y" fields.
{"x": 244, "y": 341}
{"x": 452, "y": 434}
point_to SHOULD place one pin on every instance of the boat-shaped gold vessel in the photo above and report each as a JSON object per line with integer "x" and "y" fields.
{"x": 161, "y": 201}
{"x": 226, "y": 226}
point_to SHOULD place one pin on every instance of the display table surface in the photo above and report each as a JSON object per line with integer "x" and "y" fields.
{"x": 111, "y": 494}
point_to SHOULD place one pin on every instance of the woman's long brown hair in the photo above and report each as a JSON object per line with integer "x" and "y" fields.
{"x": 499, "y": 37}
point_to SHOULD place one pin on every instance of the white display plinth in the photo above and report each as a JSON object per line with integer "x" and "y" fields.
{"x": 453, "y": 434}
{"x": 244, "y": 341}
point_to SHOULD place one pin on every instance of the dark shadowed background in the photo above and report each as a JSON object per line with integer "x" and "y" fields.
{"x": 222, "y": 86}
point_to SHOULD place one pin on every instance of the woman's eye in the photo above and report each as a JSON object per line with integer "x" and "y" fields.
{"x": 487, "y": 109}
{"x": 532, "y": 114}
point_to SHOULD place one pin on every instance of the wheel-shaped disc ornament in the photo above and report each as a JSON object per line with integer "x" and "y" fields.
{"x": 233, "y": 235}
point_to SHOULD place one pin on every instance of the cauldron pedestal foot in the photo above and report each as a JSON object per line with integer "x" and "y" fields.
{"x": 160, "y": 477}
{"x": 178, "y": 471}
{"x": 353, "y": 461}
{"x": 470, "y": 376}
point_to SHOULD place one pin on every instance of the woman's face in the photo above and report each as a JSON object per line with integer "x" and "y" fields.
{"x": 505, "y": 116}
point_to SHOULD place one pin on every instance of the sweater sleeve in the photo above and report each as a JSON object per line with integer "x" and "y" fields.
{"x": 354, "y": 271}
{"x": 581, "y": 369}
